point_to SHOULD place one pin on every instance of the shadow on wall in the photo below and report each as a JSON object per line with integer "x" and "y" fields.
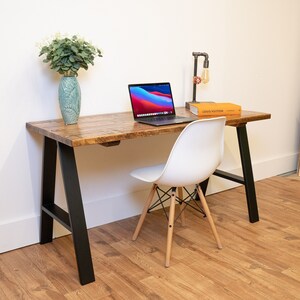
{"x": 105, "y": 171}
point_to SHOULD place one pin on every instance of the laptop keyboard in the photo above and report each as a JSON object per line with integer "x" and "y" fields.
{"x": 164, "y": 118}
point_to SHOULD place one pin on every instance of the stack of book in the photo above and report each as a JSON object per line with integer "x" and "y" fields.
{"x": 215, "y": 109}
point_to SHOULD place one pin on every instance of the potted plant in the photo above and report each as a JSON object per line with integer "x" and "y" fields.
{"x": 66, "y": 55}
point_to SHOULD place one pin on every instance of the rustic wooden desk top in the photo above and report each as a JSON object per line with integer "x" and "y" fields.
{"x": 109, "y": 128}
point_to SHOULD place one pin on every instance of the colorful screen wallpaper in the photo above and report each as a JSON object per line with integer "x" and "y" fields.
{"x": 151, "y": 100}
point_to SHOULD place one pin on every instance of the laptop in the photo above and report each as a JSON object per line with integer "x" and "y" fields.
{"x": 152, "y": 103}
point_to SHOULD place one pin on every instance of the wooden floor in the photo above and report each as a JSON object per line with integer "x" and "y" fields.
{"x": 258, "y": 261}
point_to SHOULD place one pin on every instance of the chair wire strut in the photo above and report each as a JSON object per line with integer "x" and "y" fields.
{"x": 190, "y": 200}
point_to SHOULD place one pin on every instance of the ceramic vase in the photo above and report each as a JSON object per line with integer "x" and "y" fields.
{"x": 69, "y": 99}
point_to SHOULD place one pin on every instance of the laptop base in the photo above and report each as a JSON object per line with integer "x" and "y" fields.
{"x": 174, "y": 121}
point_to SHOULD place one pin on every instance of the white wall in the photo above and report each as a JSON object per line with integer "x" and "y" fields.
{"x": 254, "y": 48}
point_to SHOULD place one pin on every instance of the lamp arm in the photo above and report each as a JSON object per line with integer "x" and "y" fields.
{"x": 206, "y": 61}
{"x": 205, "y": 66}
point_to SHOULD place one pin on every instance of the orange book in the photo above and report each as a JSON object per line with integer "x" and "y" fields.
{"x": 215, "y": 109}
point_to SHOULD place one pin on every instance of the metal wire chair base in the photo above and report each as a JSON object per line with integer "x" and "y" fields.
{"x": 190, "y": 200}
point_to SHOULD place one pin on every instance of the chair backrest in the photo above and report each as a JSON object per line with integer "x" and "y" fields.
{"x": 196, "y": 153}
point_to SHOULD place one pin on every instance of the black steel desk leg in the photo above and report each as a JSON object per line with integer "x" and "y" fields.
{"x": 76, "y": 214}
{"x": 247, "y": 173}
{"x": 48, "y": 188}
{"x": 203, "y": 186}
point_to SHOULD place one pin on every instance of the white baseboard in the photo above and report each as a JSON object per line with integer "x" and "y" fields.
{"x": 20, "y": 233}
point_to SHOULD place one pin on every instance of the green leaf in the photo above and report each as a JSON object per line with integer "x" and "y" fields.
{"x": 71, "y": 59}
{"x": 83, "y": 54}
{"x": 78, "y": 58}
{"x": 59, "y": 51}
{"x": 76, "y": 65}
{"x": 74, "y": 49}
{"x": 44, "y": 50}
{"x": 56, "y": 57}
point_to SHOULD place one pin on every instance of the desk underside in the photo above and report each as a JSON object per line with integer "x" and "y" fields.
{"x": 111, "y": 128}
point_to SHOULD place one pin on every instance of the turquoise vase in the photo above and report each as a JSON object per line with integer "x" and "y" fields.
{"x": 69, "y": 99}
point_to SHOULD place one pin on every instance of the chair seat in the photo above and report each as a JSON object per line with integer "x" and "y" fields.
{"x": 148, "y": 174}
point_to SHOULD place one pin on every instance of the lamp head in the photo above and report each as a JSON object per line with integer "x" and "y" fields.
{"x": 205, "y": 75}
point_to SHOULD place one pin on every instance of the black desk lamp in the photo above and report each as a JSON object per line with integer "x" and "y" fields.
{"x": 204, "y": 78}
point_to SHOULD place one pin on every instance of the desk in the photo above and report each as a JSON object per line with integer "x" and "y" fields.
{"x": 109, "y": 130}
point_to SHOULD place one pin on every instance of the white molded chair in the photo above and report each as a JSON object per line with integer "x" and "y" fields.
{"x": 196, "y": 154}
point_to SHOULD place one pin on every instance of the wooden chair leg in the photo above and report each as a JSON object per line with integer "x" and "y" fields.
{"x": 209, "y": 218}
{"x": 170, "y": 227}
{"x": 181, "y": 206}
{"x": 144, "y": 212}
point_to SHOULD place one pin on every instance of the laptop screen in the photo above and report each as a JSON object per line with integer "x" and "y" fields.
{"x": 151, "y": 99}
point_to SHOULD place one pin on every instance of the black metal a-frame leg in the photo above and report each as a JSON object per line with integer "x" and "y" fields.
{"x": 74, "y": 221}
{"x": 247, "y": 173}
{"x": 48, "y": 189}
